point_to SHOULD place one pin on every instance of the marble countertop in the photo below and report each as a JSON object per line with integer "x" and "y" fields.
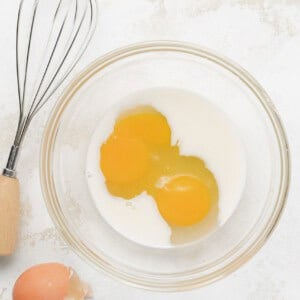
{"x": 261, "y": 35}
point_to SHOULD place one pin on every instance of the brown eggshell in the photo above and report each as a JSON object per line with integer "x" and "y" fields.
{"x": 48, "y": 281}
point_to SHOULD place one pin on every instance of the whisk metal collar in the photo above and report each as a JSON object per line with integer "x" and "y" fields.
{"x": 10, "y": 169}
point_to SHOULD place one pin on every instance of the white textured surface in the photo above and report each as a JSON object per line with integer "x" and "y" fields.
{"x": 261, "y": 35}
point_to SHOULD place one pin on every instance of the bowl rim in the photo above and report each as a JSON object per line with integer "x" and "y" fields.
{"x": 171, "y": 283}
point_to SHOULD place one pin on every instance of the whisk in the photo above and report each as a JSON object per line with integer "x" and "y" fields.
{"x": 51, "y": 37}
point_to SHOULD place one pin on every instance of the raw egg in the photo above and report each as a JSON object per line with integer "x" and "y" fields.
{"x": 165, "y": 167}
{"x": 138, "y": 155}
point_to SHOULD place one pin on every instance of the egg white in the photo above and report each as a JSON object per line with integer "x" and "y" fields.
{"x": 201, "y": 130}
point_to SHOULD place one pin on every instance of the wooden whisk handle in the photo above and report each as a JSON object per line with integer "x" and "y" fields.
{"x": 9, "y": 214}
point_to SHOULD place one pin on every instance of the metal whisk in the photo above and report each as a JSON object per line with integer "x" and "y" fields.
{"x": 51, "y": 37}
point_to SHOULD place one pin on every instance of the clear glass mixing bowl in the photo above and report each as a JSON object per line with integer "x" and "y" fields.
{"x": 164, "y": 64}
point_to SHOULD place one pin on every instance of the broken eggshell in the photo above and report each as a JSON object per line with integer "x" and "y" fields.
{"x": 50, "y": 281}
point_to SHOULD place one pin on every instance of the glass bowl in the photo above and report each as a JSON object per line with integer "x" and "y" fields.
{"x": 164, "y": 64}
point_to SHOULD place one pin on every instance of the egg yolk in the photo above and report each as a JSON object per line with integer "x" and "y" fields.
{"x": 138, "y": 157}
{"x": 145, "y": 124}
{"x": 183, "y": 201}
{"x": 123, "y": 160}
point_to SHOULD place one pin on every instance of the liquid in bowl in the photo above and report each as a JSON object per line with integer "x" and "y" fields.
{"x": 200, "y": 130}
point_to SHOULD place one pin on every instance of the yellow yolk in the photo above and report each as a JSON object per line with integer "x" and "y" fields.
{"x": 123, "y": 160}
{"x": 145, "y": 124}
{"x": 183, "y": 201}
{"x": 138, "y": 156}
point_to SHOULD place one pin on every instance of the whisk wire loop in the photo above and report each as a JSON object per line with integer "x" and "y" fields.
{"x": 71, "y": 28}
{"x": 75, "y": 61}
{"x": 44, "y": 73}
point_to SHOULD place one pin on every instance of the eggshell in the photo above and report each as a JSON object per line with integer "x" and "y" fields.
{"x": 48, "y": 281}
